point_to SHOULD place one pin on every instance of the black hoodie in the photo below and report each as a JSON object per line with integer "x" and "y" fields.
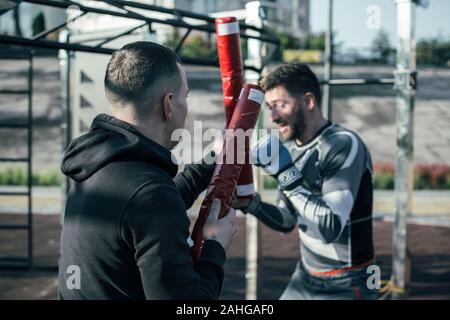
{"x": 125, "y": 225}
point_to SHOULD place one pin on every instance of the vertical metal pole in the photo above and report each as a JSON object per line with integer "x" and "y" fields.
{"x": 253, "y": 228}
{"x": 30, "y": 160}
{"x": 294, "y": 16}
{"x": 64, "y": 69}
{"x": 405, "y": 86}
{"x": 327, "y": 89}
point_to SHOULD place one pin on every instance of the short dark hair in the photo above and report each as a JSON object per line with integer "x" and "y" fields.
{"x": 140, "y": 71}
{"x": 297, "y": 78}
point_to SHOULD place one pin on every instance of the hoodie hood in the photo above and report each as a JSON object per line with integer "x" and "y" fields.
{"x": 110, "y": 139}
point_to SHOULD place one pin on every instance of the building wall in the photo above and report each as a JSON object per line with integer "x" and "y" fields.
{"x": 290, "y": 16}
{"x": 281, "y": 13}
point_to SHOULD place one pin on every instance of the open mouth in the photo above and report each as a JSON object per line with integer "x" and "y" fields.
{"x": 282, "y": 127}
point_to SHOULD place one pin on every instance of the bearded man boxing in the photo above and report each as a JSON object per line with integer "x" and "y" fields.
{"x": 324, "y": 175}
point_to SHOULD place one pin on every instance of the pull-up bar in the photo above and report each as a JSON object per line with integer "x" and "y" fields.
{"x": 206, "y": 25}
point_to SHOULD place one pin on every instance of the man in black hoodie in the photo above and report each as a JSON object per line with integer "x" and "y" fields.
{"x": 125, "y": 232}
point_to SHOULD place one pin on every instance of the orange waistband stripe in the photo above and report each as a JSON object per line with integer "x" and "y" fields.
{"x": 339, "y": 271}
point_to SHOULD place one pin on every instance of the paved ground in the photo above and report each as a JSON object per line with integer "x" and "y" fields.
{"x": 429, "y": 252}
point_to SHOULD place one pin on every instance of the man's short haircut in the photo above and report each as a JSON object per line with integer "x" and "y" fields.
{"x": 297, "y": 78}
{"x": 141, "y": 72}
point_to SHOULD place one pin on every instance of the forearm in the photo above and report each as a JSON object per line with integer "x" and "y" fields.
{"x": 278, "y": 218}
{"x": 158, "y": 243}
{"x": 210, "y": 270}
{"x": 174, "y": 277}
{"x": 193, "y": 181}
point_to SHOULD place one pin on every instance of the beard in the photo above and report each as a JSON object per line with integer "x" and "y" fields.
{"x": 295, "y": 127}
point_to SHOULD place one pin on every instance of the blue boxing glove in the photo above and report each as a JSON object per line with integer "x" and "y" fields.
{"x": 272, "y": 156}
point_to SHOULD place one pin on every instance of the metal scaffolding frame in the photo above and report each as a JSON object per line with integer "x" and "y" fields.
{"x": 17, "y": 261}
{"x": 405, "y": 85}
{"x": 127, "y": 9}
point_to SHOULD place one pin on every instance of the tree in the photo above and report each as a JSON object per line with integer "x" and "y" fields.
{"x": 173, "y": 40}
{"x": 434, "y": 51}
{"x": 287, "y": 41}
{"x": 382, "y": 46}
{"x": 38, "y": 24}
{"x": 315, "y": 41}
{"x": 197, "y": 47}
{"x": 194, "y": 46}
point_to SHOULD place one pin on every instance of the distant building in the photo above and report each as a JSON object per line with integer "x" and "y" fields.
{"x": 287, "y": 16}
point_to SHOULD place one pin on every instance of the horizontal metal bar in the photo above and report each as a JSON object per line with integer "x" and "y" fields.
{"x": 13, "y": 259}
{"x": 150, "y": 7}
{"x": 14, "y": 126}
{"x": 14, "y": 91}
{"x": 15, "y": 193}
{"x": 178, "y": 23}
{"x": 4, "y": 56}
{"x": 200, "y": 62}
{"x": 15, "y": 264}
{"x": 66, "y": 4}
{"x": 83, "y": 48}
{"x": 14, "y": 226}
{"x": 211, "y": 63}
{"x": 52, "y": 44}
{"x": 14, "y": 159}
{"x": 338, "y": 82}
{"x": 176, "y": 12}
{"x": 24, "y": 266}
{"x": 175, "y": 23}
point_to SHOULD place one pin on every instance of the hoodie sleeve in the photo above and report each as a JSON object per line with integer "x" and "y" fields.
{"x": 193, "y": 180}
{"x": 156, "y": 227}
